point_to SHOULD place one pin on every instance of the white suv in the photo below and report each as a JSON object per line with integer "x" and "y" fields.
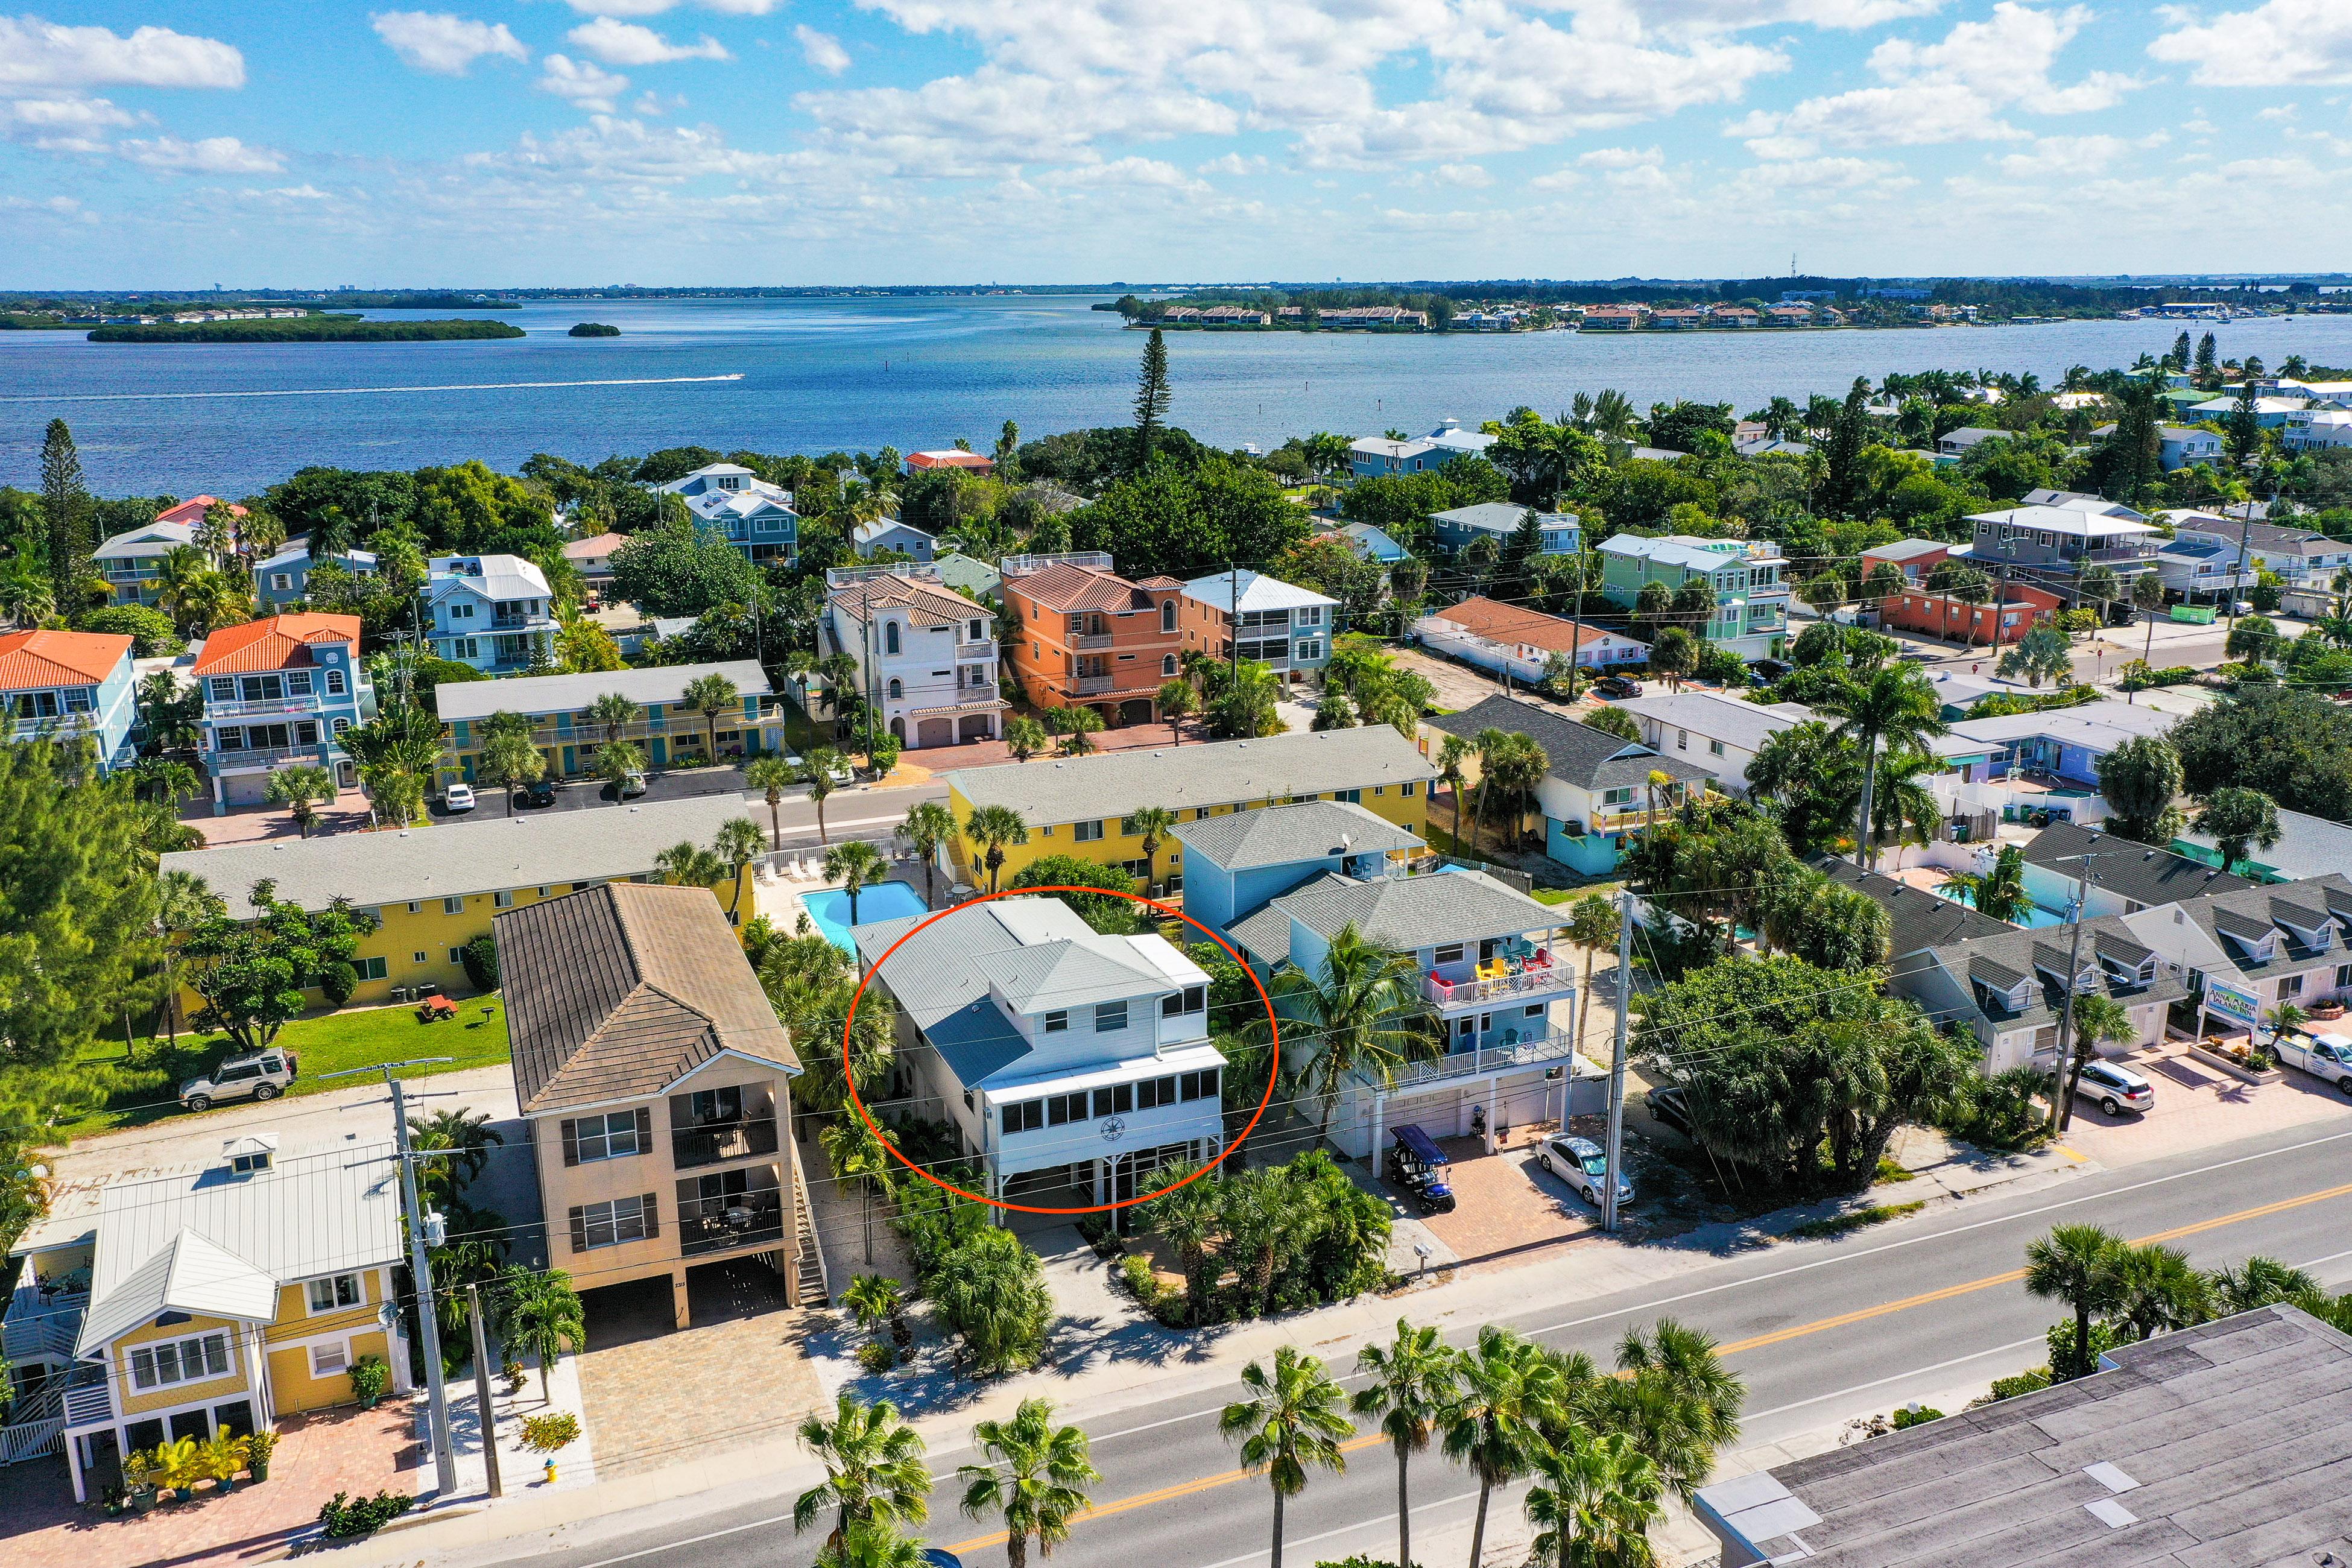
{"x": 265, "y": 1075}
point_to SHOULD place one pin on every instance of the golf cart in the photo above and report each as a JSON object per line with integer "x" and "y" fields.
{"x": 1417, "y": 1165}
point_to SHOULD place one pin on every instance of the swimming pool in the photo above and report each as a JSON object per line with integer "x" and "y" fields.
{"x": 2035, "y": 918}
{"x": 882, "y": 901}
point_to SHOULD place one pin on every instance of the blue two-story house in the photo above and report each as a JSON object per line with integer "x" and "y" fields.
{"x": 756, "y": 517}
{"x": 70, "y": 683}
{"x": 1498, "y": 521}
{"x": 492, "y": 612}
{"x": 285, "y": 578}
{"x": 1281, "y": 883}
{"x": 278, "y": 693}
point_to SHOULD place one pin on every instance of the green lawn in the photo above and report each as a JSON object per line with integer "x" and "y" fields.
{"x": 142, "y": 1090}
{"x": 1854, "y": 1219}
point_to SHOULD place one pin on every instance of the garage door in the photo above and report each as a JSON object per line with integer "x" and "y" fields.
{"x": 1435, "y": 1114}
{"x": 935, "y": 733}
{"x": 245, "y": 789}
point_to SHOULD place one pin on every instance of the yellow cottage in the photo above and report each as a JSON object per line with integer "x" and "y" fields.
{"x": 211, "y": 1300}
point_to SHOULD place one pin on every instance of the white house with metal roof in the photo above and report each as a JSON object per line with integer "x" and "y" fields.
{"x": 1260, "y": 620}
{"x": 209, "y": 1299}
{"x": 1072, "y": 1064}
{"x": 492, "y": 612}
{"x": 1460, "y": 526}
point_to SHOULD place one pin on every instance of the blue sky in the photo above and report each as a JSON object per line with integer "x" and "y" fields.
{"x": 560, "y": 141}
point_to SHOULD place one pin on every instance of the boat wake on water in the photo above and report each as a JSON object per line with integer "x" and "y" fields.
{"x": 355, "y": 390}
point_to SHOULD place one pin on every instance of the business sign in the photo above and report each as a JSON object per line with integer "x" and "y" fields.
{"x": 2236, "y": 1002}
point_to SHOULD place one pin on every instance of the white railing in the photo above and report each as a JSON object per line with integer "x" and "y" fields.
{"x": 90, "y": 1403}
{"x": 981, "y": 652}
{"x": 41, "y": 1325}
{"x": 287, "y": 704}
{"x": 34, "y": 1429}
{"x": 1550, "y": 1047}
{"x": 1529, "y": 982}
{"x": 224, "y": 761}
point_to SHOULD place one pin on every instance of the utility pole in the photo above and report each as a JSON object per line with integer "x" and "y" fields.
{"x": 420, "y": 1264}
{"x": 1617, "y": 1063}
{"x": 2245, "y": 534}
{"x": 1232, "y": 620}
{"x": 2062, "y": 1101}
{"x": 873, "y": 674}
{"x": 486, "y": 1411}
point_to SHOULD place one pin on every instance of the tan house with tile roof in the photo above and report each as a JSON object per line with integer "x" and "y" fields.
{"x": 656, "y": 1081}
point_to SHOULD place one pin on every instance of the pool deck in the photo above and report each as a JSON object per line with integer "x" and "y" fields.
{"x": 780, "y": 893}
{"x": 893, "y": 900}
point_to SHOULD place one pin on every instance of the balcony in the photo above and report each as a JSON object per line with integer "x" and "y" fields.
{"x": 983, "y": 652}
{"x": 234, "y": 761}
{"x": 41, "y": 1323}
{"x": 716, "y": 1143}
{"x": 1550, "y": 1047}
{"x": 727, "y": 1224}
{"x": 263, "y": 707}
{"x": 1535, "y": 978}
{"x": 1092, "y": 643}
{"x": 2118, "y": 555}
{"x": 1093, "y": 685}
{"x": 89, "y": 1398}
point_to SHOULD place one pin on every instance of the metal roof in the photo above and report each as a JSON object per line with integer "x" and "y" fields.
{"x": 570, "y": 694}
{"x": 2308, "y": 846}
{"x": 1744, "y": 724}
{"x": 457, "y": 859}
{"x": 2218, "y": 1446}
{"x": 1254, "y": 590}
{"x": 1222, "y": 772}
{"x": 1501, "y": 517}
{"x": 1283, "y": 834}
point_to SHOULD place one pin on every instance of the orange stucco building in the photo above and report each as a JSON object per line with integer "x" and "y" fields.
{"x": 1090, "y": 637}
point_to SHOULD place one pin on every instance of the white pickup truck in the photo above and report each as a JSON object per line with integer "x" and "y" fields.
{"x": 2327, "y": 1058}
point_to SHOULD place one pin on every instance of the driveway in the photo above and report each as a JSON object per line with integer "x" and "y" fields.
{"x": 1458, "y": 685}
{"x": 2198, "y": 1107}
{"x": 251, "y": 823}
{"x": 1505, "y": 1204}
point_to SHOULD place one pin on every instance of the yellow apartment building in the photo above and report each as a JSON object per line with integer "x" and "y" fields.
{"x": 206, "y": 1301}
{"x": 662, "y": 728}
{"x": 436, "y": 889}
{"x": 1085, "y": 805}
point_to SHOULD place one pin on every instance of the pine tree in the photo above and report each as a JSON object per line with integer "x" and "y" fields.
{"x": 64, "y": 510}
{"x": 1513, "y": 573}
{"x": 2208, "y": 362}
{"x": 2178, "y": 358}
{"x": 1847, "y": 438}
{"x": 1150, "y": 398}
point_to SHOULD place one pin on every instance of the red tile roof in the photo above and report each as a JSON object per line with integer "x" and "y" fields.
{"x": 952, "y": 460}
{"x": 924, "y": 598}
{"x": 1064, "y": 587}
{"x": 192, "y": 510}
{"x": 59, "y": 658}
{"x": 1514, "y": 624}
{"x": 273, "y": 644}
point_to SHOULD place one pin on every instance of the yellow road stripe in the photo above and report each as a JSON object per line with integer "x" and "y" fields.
{"x": 2079, "y": 1158}
{"x": 1782, "y": 1336}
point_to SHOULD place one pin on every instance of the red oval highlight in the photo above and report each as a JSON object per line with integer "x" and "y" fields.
{"x": 1265, "y": 1099}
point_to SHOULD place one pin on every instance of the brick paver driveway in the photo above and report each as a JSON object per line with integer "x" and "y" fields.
{"x": 2198, "y": 1106}
{"x": 1506, "y": 1206}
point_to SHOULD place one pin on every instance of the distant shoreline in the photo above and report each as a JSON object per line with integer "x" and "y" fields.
{"x": 310, "y": 329}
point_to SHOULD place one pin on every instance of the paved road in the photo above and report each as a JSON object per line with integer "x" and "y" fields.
{"x": 798, "y": 813}
{"x": 1820, "y": 1331}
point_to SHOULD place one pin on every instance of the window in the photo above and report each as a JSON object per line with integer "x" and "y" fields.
{"x": 2343, "y": 975}
{"x": 298, "y": 683}
{"x": 1309, "y": 650}
{"x": 890, "y": 636}
{"x": 2290, "y": 985}
{"x": 416, "y": 957}
{"x": 708, "y": 1106}
{"x": 336, "y": 1291}
{"x": 453, "y": 905}
{"x": 1056, "y": 1021}
{"x": 1061, "y": 1110}
{"x": 1200, "y": 814}
{"x": 1115, "y": 1101}
{"x": 1310, "y": 616}
{"x": 1535, "y": 1010}
{"x": 1154, "y": 1092}
{"x": 1086, "y": 832}
{"x": 610, "y": 1224}
{"x": 1026, "y": 1117}
{"x": 190, "y": 1360}
{"x": 1407, "y": 789}
{"x": 1167, "y": 664}
{"x": 614, "y": 1136}
{"x": 1450, "y": 953}
{"x": 340, "y": 725}
{"x": 896, "y": 689}
{"x": 1715, "y": 748}
{"x": 281, "y": 582}
{"x": 327, "y": 1360}
{"x": 502, "y": 901}
{"x": 369, "y": 968}
{"x": 1681, "y": 740}
{"x": 335, "y": 683}
{"x": 1202, "y": 1085}
{"x": 1110, "y": 1017}
{"x": 1191, "y": 999}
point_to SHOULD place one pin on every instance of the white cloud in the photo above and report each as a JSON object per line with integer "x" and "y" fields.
{"x": 1558, "y": 180}
{"x": 51, "y": 115}
{"x": 444, "y": 43}
{"x": 2066, "y": 155}
{"x": 2277, "y": 111}
{"x": 33, "y": 53}
{"x": 743, "y": 8}
{"x": 1843, "y": 14}
{"x": 655, "y": 8}
{"x": 588, "y": 87}
{"x": 627, "y": 44}
{"x": 821, "y": 50}
{"x": 1232, "y": 163}
{"x": 1621, "y": 158}
{"x": 654, "y": 103}
{"x": 2283, "y": 42}
{"x": 211, "y": 156}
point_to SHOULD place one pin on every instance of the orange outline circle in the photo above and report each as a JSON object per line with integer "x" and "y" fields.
{"x": 850, "y": 1082}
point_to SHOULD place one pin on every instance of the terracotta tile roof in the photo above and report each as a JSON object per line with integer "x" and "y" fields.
{"x": 59, "y": 658}
{"x": 950, "y": 459}
{"x": 1064, "y": 587}
{"x": 275, "y": 642}
{"x": 192, "y": 510}
{"x": 921, "y": 597}
{"x": 617, "y": 992}
{"x": 1512, "y": 622}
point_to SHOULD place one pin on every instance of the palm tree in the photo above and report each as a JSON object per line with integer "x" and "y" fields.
{"x": 165, "y": 780}
{"x": 710, "y": 695}
{"x": 1365, "y": 1011}
{"x": 179, "y": 576}
{"x": 509, "y": 761}
{"x": 1999, "y": 893}
{"x": 1597, "y": 1498}
{"x": 299, "y": 789}
{"x": 2077, "y": 1264}
{"x": 1903, "y": 810}
{"x": 2097, "y": 1018}
{"x": 1894, "y": 708}
{"x": 1489, "y": 743}
{"x": 688, "y": 865}
{"x": 1413, "y": 1380}
{"x": 771, "y": 775}
{"x": 1450, "y": 758}
{"x": 2238, "y": 819}
{"x": 873, "y": 1470}
{"x": 616, "y": 761}
{"x": 2257, "y": 1283}
{"x": 1673, "y": 1399}
{"x": 1032, "y": 1476}
{"x": 992, "y": 827}
{"x": 871, "y": 1546}
{"x": 612, "y": 713}
{"x": 2285, "y": 1018}
{"x": 818, "y": 772}
{"x": 541, "y": 1313}
{"x": 1293, "y": 1417}
{"x": 873, "y": 1299}
{"x": 859, "y": 1162}
{"x": 1076, "y": 726}
{"x": 929, "y": 823}
{"x": 182, "y": 903}
{"x": 1153, "y": 822}
{"x": 2157, "y": 1292}
{"x": 738, "y": 843}
{"x": 1023, "y": 737}
{"x": 1177, "y": 700}
{"x": 1592, "y": 924}
{"x": 1520, "y": 768}
{"x": 1510, "y": 1387}
{"x": 1188, "y": 1216}
{"x": 855, "y": 864}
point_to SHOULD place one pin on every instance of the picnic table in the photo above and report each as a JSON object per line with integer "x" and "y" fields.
{"x": 433, "y": 1009}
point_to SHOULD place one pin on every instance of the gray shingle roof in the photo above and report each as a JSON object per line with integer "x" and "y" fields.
{"x": 2257, "y": 910}
{"x": 1918, "y": 918}
{"x": 1579, "y": 753}
{"x": 2139, "y": 872}
{"x": 571, "y": 694}
{"x": 1282, "y": 835}
{"x": 2220, "y": 1447}
{"x": 1222, "y": 772}
{"x": 1408, "y": 912}
{"x": 458, "y": 860}
{"x": 1998, "y": 962}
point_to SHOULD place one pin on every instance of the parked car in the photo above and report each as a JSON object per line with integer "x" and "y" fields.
{"x": 539, "y": 792}
{"x": 265, "y": 1075}
{"x": 2327, "y": 1058}
{"x": 632, "y": 786}
{"x": 1580, "y": 1162}
{"x": 1669, "y": 1106}
{"x": 457, "y": 797}
{"x": 2116, "y": 1090}
{"x": 1617, "y": 686}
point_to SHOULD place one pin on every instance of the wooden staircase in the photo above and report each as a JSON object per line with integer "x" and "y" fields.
{"x": 814, "y": 1291}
